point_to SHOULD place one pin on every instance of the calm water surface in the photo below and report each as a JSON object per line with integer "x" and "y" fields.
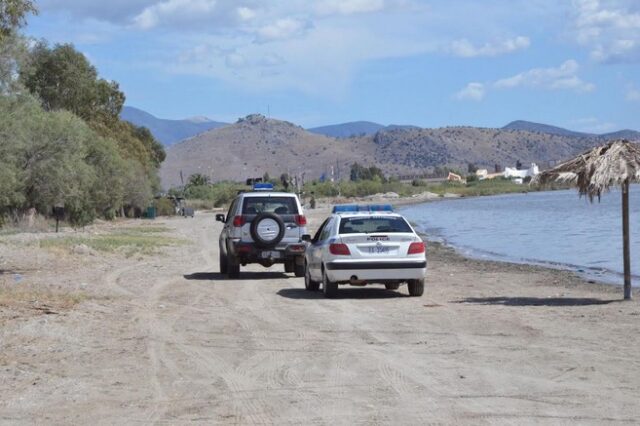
{"x": 554, "y": 228}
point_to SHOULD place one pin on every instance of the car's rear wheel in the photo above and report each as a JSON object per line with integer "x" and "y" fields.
{"x": 416, "y": 287}
{"x": 329, "y": 288}
{"x": 233, "y": 267}
{"x": 223, "y": 263}
{"x": 392, "y": 286}
{"x": 309, "y": 284}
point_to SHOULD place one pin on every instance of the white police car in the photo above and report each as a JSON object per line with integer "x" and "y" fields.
{"x": 365, "y": 244}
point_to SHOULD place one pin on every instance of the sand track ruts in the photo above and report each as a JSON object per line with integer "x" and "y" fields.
{"x": 175, "y": 342}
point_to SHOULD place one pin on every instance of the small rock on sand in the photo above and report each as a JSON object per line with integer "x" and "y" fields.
{"x": 82, "y": 249}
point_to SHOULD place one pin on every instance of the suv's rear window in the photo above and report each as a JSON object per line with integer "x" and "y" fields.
{"x": 277, "y": 205}
{"x": 368, "y": 225}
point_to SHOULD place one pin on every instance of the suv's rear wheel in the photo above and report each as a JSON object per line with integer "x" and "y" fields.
{"x": 298, "y": 267}
{"x": 233, "y": 267}
{"x": 289, "y": 265}
{"x": 223, "y": 263}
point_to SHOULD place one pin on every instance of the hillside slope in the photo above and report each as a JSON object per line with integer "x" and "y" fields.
{"x": 529, "y": 126}
{"x": 255, "y": 145}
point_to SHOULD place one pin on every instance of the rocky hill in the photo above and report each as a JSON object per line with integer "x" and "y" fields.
{"x": 255, "y": 145}
{"x": 420, "y": 149}
{"x": 529, "y": 126}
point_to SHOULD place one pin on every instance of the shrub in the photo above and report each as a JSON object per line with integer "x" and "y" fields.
{"x": 165, "y": 207}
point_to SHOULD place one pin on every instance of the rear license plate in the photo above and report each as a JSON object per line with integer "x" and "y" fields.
{"x": 270, "y": 254}
{"x": 378, "y": 250}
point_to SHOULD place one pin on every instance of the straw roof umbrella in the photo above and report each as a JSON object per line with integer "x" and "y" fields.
{"x": 595, "y": 172}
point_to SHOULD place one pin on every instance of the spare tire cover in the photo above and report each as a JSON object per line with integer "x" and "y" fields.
{"x": 267, "y": 229}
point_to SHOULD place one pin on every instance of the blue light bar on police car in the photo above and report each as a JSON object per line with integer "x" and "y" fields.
{"x": 354, "y": 208}
{"x": 263, "y": 187}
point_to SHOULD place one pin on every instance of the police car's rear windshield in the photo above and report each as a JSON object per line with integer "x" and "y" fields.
{"x": 277, "y": 205}
{"x": 370, "y": 225}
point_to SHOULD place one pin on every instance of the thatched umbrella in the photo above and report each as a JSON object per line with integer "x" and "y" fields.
{"x": 595, "y": 172}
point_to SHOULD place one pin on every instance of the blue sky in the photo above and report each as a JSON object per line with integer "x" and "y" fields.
{"x": 431, "y": 63}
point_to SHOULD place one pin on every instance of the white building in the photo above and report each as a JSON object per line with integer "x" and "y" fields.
{"x": 519, "y": 175}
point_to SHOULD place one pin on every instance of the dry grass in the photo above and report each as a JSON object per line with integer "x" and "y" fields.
{"x": 21, "y": 296}
{"x": 126, "y": 241}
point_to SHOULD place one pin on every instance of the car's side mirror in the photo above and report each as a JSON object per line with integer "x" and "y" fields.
{"x": 220, "y": 217}
{"x": 306, "y": 238}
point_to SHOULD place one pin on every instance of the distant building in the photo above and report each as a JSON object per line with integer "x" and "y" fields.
{"x": 455, "y": 178}
{"x": 519, "y": 175}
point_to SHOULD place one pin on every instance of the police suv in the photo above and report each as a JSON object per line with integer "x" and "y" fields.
{"x": 263, "y": 226}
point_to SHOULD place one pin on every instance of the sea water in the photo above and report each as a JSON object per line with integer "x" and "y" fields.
{"x": 553, "y": 228}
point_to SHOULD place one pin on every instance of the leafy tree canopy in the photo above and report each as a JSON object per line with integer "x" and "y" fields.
{"x": 64, "y": 79}
{"x": 13, "y": 15}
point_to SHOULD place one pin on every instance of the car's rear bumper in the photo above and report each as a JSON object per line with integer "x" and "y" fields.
{"x": 343, "y": 271}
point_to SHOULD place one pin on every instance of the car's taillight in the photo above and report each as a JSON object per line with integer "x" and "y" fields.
{"x": 416, "y": 248}
{"x": 301, "y": 220}
{"x": 238, "y": 221}
{"x": 339, "y": 249}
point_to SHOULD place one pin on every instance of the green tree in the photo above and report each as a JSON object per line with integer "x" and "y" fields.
{"x": 360, "y": 172}
{"x": 284, "y": 180}
{"x": 63, "y": 78}
{"x": 13, "y": 15}
{"x": 198, "y": 179}
{"x": 13, "y": 54}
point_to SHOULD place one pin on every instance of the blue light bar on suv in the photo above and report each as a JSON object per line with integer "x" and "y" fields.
{"x": 263, "y": 187}
{"x": 354, "y": 208}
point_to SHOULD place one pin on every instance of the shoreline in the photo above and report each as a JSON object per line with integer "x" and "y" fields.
{"x": 450, "y": 252}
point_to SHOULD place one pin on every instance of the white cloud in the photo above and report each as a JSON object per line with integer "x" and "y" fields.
{"x": 633, "y": 94}
{"x": 473, "y": 91}
{"x": 592, "y": 125}
{"x": 563, "y": 77}
{"x": 349, "y": 7}
{"x": 182, "y": 10}
{"x": 282, "y": 29}
{"x": 245, "y": 13}
{"x": 609, "y": 28}
{"x": 464, "y": 48}
{"x": 322, "y": 63}
{"x": 114, "y": 11}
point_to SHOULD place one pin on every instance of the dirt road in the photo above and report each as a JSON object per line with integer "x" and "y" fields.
{"x": 165, "y": 339}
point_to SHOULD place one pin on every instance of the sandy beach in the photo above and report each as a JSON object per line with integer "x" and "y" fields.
{"x": 160, "y": 337}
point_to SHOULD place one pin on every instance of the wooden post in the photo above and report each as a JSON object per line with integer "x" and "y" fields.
{"x": 625, "y": 240}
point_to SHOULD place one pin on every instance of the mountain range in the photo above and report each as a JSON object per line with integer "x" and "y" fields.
{"x": 256, "y": 144}
{"x": 169, "y": 132}
{"x": 355, "y": 128}
{"x": 553, "y": 130}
